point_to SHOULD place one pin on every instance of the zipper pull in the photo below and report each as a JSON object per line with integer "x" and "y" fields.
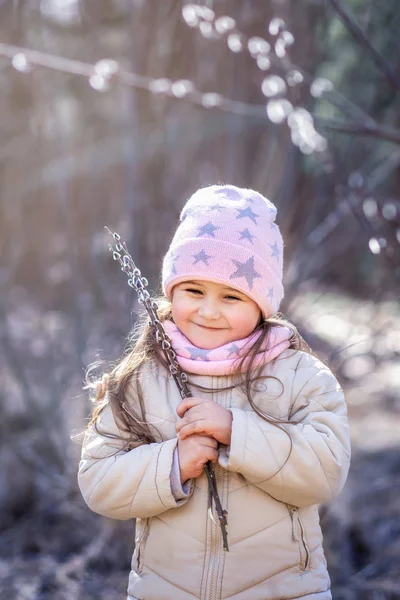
{"x": 295, "y": 522}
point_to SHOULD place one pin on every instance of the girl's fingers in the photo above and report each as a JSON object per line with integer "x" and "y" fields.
{"x": 212, "y": 455}
{"x": 191, "y": 416}
{"x": 191, "y": 428}
{"x": 186, "y": 404}
{"x": 209, "y": 441}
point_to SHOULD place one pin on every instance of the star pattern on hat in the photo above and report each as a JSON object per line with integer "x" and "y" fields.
{"x": 174, "y": 257}
{"x": 208, "y": 229}
{"x": 229, "y": 192}
{"x": 190, "y": 212}
{"x": 217, "y": 207}
{"x": 233, "y": 349}
{"x": 246, "y": 270}
{"x": 246, "y": 235}
{"x": 201, "y": 256}
{"x": 198, "y": 353}
{"x": 247, "y": 213}
{"x": 271, "y": 293}
{"x": 275, "y": 250}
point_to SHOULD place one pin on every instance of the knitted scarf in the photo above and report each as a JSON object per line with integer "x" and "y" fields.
{"x": 221, "y": 360}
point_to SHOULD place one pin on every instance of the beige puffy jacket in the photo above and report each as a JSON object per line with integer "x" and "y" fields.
{"x": 274, "y": 534}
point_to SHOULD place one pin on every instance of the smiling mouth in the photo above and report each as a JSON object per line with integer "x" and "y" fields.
{"x": 209, "y": 328}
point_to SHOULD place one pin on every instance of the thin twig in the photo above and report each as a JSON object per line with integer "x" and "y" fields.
{"x": 127, "y": 78}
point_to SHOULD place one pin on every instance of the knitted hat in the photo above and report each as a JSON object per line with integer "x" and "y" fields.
{"x": 228, "y": 235}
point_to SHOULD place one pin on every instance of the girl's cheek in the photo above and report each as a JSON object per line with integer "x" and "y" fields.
{"x": 180, "y": 308}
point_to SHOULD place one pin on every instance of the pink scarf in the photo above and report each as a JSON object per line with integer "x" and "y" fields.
{"x": 221, "y": 360}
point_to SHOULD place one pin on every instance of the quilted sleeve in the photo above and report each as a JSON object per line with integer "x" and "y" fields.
{"x": 124, "y": 484}
{"x": 306, "y": 461}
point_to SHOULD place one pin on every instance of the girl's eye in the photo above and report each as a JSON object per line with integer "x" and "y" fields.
{"x": 199, "y": 292}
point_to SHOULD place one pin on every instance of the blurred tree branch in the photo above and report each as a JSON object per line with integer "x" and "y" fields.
{"x": 362, "y": 39}
{"x": 364, "y": 128}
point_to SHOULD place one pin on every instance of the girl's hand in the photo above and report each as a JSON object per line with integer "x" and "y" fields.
{"x": 193, "y": 453}
{"x": 200, "y": 415}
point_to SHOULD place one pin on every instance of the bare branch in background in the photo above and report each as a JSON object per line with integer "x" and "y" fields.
{"x": 362, "y": 39}
{"x": 369, "y": 128}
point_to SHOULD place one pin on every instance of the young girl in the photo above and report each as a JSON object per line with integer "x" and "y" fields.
{"x": 268, "y": 414}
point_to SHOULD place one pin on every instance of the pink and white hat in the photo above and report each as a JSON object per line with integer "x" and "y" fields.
{"x": 228, "y": 235}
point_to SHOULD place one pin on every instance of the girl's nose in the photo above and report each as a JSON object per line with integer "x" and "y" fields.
{"x": 209, "y": 309}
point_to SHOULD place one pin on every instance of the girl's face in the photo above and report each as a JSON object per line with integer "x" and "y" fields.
{"x": 212, "y": 314}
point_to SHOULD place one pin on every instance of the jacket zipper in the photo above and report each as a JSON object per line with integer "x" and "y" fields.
{"x": 216, "y": 538}
{"x": 299, "y": 536}
{"x": 215, "y": 543}
{"x": 140, "y": 545}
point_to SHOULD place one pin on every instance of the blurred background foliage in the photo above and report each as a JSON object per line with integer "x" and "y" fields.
{"x": 188, "y": 95}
